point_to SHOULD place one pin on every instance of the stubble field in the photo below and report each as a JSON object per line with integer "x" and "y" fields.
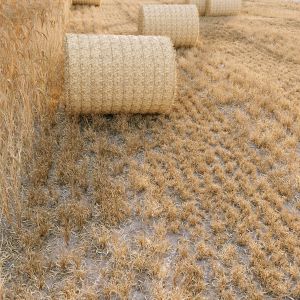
{"x": 201, "y": 204}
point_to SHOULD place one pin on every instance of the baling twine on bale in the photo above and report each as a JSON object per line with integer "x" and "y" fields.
{"x": 223, "y": 7}
{"x": 179, "y": 22}
{"x": 201, "y": 5}
{"x": 119, "y": 74}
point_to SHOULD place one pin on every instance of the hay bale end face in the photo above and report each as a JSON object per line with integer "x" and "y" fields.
{"x": 87, "y": 2}
{"x": 179, "y": 22}
{"x": 119, "y": 74}
{"x": 223, "y": 7}
{"x": 201, "y": 5}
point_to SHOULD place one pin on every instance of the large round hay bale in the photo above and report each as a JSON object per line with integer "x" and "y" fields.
{"x": 179, "y": 22}
{"x": 201, "y": 5}
{"x": 87, "y": 2}
{"x": 223, "y": 7}
{"x": 119, "y": 74}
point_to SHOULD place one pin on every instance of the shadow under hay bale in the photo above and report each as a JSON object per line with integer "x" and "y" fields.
{"x": 87, "y": 2}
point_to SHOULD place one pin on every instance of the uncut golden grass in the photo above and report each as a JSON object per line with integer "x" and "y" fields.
{"x": 31, "y": 39}
{"x": 205, "y": 201}
{"x": 30, "y": 52}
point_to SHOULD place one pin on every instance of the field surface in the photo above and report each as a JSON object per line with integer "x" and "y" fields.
{"x": 201, "y": 204}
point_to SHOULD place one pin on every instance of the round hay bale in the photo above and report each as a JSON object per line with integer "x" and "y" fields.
{"x": 223, "y": 7}
{"x": 179, "y": 22}
{"x": 87, "y": 2}
{"x": 119, "y": 74}
{"x": 201, "y": 5}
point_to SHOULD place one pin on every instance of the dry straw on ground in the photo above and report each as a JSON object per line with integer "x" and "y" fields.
{"x": 223, "y": 7}
{"x": 201, "y": 204}
{"x": 87, "y": 2}
{"x": 119, "y": 74}
{"x": 201, "y": 5}
{"x": 179, "y": 22}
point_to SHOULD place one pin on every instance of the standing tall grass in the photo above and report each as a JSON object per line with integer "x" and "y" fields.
{"x": 30, "y": 61}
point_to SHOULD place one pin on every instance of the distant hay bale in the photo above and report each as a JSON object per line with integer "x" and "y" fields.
{"x": 201, "y": 5}
{"x": 223, "y": 7}
{"x": 119, "y": 74}
{"x": 179, "y": 22}
{"x": 87, "y": 2}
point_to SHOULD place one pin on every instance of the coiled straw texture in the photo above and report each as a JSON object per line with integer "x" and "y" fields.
{"x": 119, "y": 74}
{"x": 223, "y": 7}
{"x": 201, "y": 5}
{"x": 179, "y": 22}
{"x": 87, "y": 2}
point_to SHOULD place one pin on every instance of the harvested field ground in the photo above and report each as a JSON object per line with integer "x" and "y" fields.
{"x": 201, "y": 204}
